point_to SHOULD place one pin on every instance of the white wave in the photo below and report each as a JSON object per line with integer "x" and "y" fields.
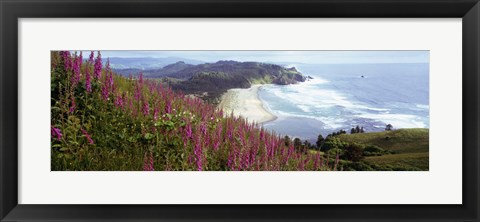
{"x": 422, "y": 106}
{"x": 309, "y": 97}
{"x": 314, "y": 101}
{"x": 397, "y": 120}
{"x": 329, "y": 121}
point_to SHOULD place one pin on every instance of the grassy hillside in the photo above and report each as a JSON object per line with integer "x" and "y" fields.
{"x": 410, "y": 147}
{"x": 103, "y": 121}
{"x": 399, "y": 141}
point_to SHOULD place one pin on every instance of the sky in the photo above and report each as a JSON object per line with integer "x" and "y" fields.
{"x": 308, "y": 57}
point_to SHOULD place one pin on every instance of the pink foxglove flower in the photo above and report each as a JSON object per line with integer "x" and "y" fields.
{"x": 88, "y": 83}
{"x": 67, "y": 60}
{"x": 105, "y": 92}
{"x": 148, "y": 163}
{"x": 168, "y": 107}
{"x": 98, "y": 66}
{"x": 90, "y": 59}
{"x": 73, "y": 105}
{"x": 56, "y": 133}
{"x": 81, "y": 59}
{"x": 89, "y": 139}
{"x": 119, "y": 101}
{"x": 146, "y": 108}
{"x": 198, "y": 152}
{"x": 76, "y": 70}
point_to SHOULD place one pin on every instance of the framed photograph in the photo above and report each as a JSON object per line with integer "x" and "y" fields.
{"x": 226, "y": 110}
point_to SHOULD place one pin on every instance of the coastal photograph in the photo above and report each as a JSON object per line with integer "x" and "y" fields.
{"x": 114, "y": 110}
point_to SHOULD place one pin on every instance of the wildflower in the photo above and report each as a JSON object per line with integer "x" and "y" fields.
{"x": 98, "y": 66}
{"x": 107, "y": 65}
{"x": 148, "y": 163}
{"x": 89, "y": 139}
{"x": 76, "y": 71}
{"x": 168, "y": 107}
{"x": 198, "y": 154}
{"x": 56, "y": 133}
{"x": 137, "y": 93}
{"x": 155, "y": 113}
{"x": 203, "y": 128}
{"x": 141, "y": 79}
{"x": 188, "y": 131}
{"x": 80, "y": 58}
{"x": 88, "y": 84}
{"x": 73, "y": 105}
{"x": 110, "y": 79}
{"x": 92, "y": 55}
{"x": 67, "y": 61}
{"x": 119, "y": 101}
{"x": 146, "y": 108}
{"x": 105, "y": 92}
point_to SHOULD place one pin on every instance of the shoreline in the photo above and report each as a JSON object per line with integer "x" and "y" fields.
{"x": 247, "y": 104}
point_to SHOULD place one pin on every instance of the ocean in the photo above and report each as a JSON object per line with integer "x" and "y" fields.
{"x": 338, "y": 97}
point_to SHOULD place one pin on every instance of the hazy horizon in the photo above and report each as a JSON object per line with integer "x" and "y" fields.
{"x": 304, "y": 57}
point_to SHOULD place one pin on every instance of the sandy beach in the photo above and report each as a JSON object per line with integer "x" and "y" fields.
{"x": 245, "y": 103}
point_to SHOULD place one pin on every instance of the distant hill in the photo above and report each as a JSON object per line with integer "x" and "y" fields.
{"x": 145, "y": 63}
{"x": 155, "y": 73}
{"x": 210, "y": 80}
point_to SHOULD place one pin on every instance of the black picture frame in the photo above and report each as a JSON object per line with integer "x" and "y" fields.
{"x": 11, "y": 11}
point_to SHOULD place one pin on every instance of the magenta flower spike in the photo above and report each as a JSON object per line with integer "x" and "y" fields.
{"x": 98, "y": 66}
{"x": 73, "y": 105}
{"x": 88, "y": 81}
{"x": 119, "y": 101}
{"x": 91, "y": 57}
{"x": 76, "y": 71}
{"x": 188, "y": 130}
{"x": 137, "y": 93}
{"x": 198, "y": 154}
{"x": 56, "y": 133}
{"x": 168, "y": 106}
{"x": 146, "y": 108}
{"x": 110, "y": 80}
{"x": 107, "y": 65}
{"x": 141, "y": 79}
{"x": 148, "y": 163}
{"x": 81, "y": 59}
{"x": 89, "y": 139}
{"x": 67, "y": 60}
{"x": 155, "y": 113}
{"x": 105, "y": 92}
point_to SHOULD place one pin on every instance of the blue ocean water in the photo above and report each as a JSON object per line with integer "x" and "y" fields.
{"x": 338, "y": 97}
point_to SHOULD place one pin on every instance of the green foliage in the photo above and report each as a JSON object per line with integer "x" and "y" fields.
{"x": 320, "y": 141}
{"x": 399, "y": 141}
{"x": 288, "y": 141}
{"x": 357, "y": 129}
{"x": 402, "y": 149}
{"x": 404, "y": 161}
{"x": 333, "y": 144}
{"x": 353, "y": 152}
{"x": 372, "y": 150}
{"x": 297, "y": 143}
{"x": 388, "y": 127}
